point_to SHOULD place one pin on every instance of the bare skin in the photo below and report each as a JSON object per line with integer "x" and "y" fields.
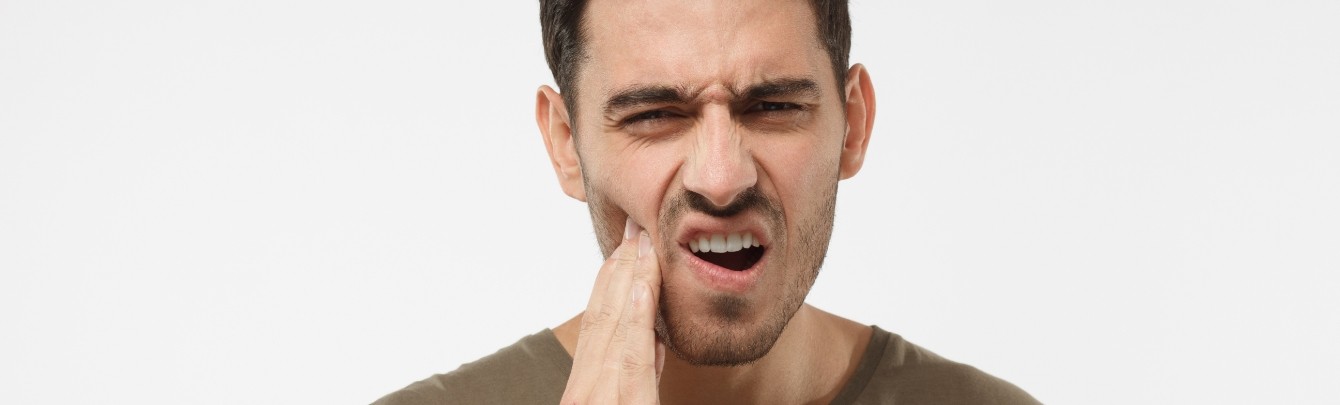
{"x": 616, "y": 358}
{"x": 707, "y": 134}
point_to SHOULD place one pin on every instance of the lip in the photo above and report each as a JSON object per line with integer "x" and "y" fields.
{"x": 714, "y": 276}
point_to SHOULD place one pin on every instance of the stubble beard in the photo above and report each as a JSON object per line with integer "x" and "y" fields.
{"x": 735, "y": 330}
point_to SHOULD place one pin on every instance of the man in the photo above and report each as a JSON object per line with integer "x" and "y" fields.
{"x": 707, "y": 138}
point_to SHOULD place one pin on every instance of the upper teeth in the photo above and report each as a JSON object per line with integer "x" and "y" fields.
{"x": 723, "y": 243}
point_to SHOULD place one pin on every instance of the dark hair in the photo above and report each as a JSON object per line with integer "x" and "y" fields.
{"x": 561, "y": 26}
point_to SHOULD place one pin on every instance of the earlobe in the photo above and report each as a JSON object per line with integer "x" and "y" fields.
{"x": 551, "y": 115}
{"x": 860, "y": 109}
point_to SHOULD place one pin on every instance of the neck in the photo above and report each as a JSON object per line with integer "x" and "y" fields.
{"x": 810, "y": 363}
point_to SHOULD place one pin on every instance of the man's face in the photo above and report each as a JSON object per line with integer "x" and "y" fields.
{"x": 713, "y": 123}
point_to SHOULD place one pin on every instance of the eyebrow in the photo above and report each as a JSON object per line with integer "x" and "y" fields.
{"x": 781, "y": 88}
{"x": 638, "y": 95}
{"x": 643, "y": 95}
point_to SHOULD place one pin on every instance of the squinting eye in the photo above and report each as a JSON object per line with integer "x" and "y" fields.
{"x": 772, "y": 106}
{"x": 649, "y": 115}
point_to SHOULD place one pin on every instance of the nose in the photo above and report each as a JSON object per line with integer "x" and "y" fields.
{"x": 719, "y": 167}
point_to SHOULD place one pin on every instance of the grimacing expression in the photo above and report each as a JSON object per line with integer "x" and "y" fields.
{"x": 717, "y": 126}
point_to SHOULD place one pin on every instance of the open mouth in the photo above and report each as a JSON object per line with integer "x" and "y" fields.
{"x": 735, "y": 251}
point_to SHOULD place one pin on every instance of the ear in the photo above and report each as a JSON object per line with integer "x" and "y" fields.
{"x": 551, "y": 115}
{"x": 860, "y": 120}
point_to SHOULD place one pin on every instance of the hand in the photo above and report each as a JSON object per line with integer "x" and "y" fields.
{"x": 618, "y": 359}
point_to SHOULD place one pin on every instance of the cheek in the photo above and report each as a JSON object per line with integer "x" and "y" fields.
{"x": 802, "y": 173}
{"x": 800, "y": 166}
{"x": 633, "y": 180}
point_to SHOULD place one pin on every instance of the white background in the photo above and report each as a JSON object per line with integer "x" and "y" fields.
{"x": 300, "y": 201}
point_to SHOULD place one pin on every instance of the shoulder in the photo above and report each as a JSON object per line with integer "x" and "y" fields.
{"x": 532, "y": 370}
{"x": 909, "y": 374}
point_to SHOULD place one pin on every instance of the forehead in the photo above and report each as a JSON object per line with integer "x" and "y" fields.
{"x": 698, "y": 44}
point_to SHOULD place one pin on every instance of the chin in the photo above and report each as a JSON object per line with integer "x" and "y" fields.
{"x": 719, "y": 329}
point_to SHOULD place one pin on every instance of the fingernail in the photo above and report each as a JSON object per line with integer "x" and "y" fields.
{"x": 629, "y": 229}
{"x": 639, "y": 294}
{"x": 643, "y": 244}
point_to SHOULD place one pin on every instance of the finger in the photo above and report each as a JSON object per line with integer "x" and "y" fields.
{"x": 637, "y": 364}
{"x": 648, "y": 268}
{"x": 631, "y": 345}
{"x": 596, "y": 299}
{"x": 607, "y": 388}
{"x": 613, "y": 300}
{"x": 618, "y": 294}
{"x": 660, "y": 359}
{"x": 604, "y": 309}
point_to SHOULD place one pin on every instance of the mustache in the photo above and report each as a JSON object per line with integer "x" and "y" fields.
{"x": 750, "y": 198}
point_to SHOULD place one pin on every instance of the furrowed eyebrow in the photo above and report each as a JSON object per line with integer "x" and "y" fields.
{"x": 660, "y": 94}
{"x": 642, "y": 95}
{"x": 782, "y": 88}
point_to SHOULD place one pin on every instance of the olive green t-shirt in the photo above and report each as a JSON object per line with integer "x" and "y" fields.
{"x": 535, "y": 369}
